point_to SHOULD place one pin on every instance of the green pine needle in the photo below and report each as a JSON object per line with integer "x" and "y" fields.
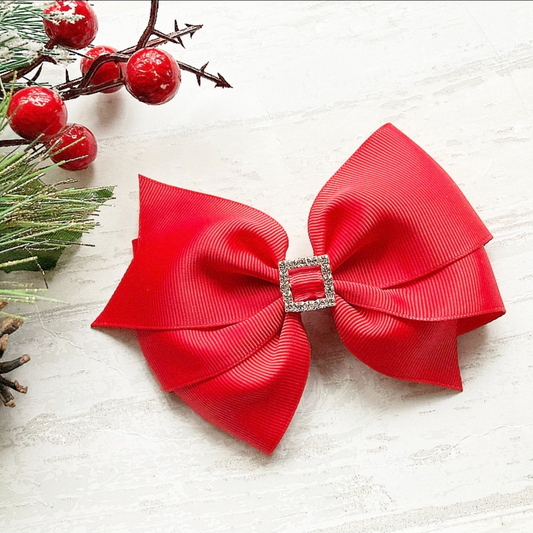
{"x": 20, "y": 23}
{"x": 22, "y": 35}
{"x": 38, "y": 221}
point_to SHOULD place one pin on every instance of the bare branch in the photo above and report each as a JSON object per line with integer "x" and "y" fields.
{"x": 150, "y": 27}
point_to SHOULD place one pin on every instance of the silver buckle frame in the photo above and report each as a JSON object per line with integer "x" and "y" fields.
{"x": 285, "y": 285}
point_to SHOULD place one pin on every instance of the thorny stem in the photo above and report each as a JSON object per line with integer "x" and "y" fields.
{"x": 201, "y": 73}
{"x": 95, "y": 65}
{"x": 91, "y": 89}
{"x": 81, "y": 86}
{"x": 150, "y": 26}
{"x": 64, "y": 87}
{"x": 75, "y": 92}
{"x": 172, "y": 36}
{"x": 39, "y": 60}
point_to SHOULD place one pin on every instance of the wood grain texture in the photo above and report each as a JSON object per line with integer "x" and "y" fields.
{"x": 95, "y": 446}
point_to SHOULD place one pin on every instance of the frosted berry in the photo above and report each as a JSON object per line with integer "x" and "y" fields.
{"x": 107, "y": 72}
{"x": 76, "y": 142}
{"x": 71, "y": 34}
{"x": 152, "y": 76}
{"x": 36, "y": 110}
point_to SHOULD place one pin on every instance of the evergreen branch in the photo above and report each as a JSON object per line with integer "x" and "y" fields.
{"x": 26, "y": 296}
{"x": 38, "y": 221}
{"x": 25, "y": 69}
{"x": 23, "y": 41}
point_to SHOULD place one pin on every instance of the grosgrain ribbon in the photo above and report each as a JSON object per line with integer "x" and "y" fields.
{"x": 409, "y": 268}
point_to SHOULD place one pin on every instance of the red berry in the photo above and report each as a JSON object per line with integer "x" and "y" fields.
{"x": 107, "y": 72}
{"x": 37, "y": 110}
{"x": 152, "y": 76}
{"x": 76, "y": 142}
{"x": 71, "y": 34}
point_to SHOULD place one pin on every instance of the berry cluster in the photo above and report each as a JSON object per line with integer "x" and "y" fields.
{"x": 39, "y": 113}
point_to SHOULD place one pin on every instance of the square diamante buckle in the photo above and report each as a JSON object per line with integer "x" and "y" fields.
{"x": 285, "y": 285}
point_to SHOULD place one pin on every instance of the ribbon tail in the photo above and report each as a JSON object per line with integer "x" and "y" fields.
{"x": 255, "y": 399}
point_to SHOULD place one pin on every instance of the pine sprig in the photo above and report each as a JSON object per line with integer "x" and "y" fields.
{"x": 38, "y": 221}
{"x": 23, "y": 17}
{"x": 22, "y": 293}
{"x": 22, "y": 37}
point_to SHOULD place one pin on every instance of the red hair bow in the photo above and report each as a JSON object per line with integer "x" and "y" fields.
{"x": 399, "y": 258}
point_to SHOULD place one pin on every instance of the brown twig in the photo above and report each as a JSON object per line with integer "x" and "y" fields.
{"x": 91, "y": 89}
{"x": 6, "y": 396}
{"x": 9, "y": 366}
{"x": 69, "y": 89}
{"x": 81, "y": 86}
{"x": 23, "y": 71}
{"x": 154, "y": 6}
{"x": 95, "y": 65}
{"x": 13, "y": 142}
{"x": 176, "y": 40}
{"x": 219, "y": 80}
{"x": 9, "y": 325}
{"x": 19, "y": 73}
{"x": 191, "y": 29}
{"x": 64, "y": 88}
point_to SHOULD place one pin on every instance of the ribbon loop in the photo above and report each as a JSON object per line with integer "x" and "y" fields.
{"x": 200, "y": 261}
{"x": 391, "y": 214}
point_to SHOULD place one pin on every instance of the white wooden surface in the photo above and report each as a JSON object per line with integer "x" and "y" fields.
{"x": 95, "y": 446}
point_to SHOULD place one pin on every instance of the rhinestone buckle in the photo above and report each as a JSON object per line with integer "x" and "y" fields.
{"x": 285, "y": 285}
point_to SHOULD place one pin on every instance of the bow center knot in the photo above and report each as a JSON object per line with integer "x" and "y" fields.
{"x": 306, "y": 283}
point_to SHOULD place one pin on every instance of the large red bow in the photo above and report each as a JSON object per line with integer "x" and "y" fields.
{"x": 409, "y": 273}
